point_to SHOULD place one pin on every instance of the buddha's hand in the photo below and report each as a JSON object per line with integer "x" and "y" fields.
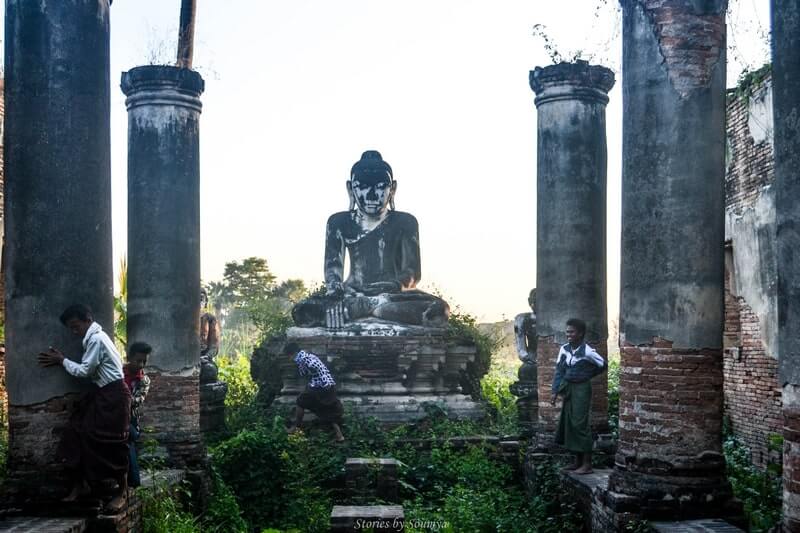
{"x": 336, "y": 315}
{"x": 381, "y": 287}
{"x": 337, "y": 289}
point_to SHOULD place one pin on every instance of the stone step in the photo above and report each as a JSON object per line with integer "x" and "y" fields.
{"x": 695, "y": 526}
{"x": 28, "y": 524}
{"x": 375, "y": 518}
{"x": 371, "y": 478}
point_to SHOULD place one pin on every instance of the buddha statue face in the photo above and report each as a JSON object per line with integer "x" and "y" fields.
{"x": 372, "y": 196}
{"x": 371, "y": 186}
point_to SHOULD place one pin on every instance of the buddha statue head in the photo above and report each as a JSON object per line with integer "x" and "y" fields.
{"x": 371, "y": 185}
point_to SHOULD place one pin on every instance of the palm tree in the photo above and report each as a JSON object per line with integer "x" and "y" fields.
{"x": 121, "y": 304}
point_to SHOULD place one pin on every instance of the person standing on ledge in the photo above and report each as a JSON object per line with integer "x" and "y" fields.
{"x": 320, "y": 394}
{"x": 576, "y": 365}
{"x": 94, "y": 445}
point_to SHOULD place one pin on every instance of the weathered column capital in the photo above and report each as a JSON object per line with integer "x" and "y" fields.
{"x": 162, "y": 85}
{"x": 571, "y": 81}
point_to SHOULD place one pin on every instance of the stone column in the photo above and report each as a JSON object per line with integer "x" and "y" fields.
{"x": 671, "y": 317}
{"x": 571, "y": 102}
{"x": 164, "y": 247}
{"x": 57, "y": 214}
{"x": 786, "y": 109}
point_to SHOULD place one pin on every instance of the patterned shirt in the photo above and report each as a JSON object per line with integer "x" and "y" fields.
{"x": 139, "y": 385}
{"x": 309, "y": 364}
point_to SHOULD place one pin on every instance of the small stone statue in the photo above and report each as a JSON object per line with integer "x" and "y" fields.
{"x": 209, "y": 341}
{"x": 383, "y": 248}
{"x": 525, "y": 332}
{"x": 525, "y": 389}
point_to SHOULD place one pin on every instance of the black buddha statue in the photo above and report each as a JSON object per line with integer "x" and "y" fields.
{"x": 383, "y": 248}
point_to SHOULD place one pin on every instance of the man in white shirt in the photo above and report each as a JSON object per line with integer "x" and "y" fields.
{"x": 94, "y": 445}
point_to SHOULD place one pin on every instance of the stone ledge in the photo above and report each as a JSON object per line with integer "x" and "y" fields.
{"x": 27, "y": 524}
{"x": 376, "y": 518}
{"x": 400, "y": 409}
{"x": 696, "y": 526}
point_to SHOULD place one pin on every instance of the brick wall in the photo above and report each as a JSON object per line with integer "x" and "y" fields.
{"x": 751, "y": 390}
{"x": 172, "y": 417}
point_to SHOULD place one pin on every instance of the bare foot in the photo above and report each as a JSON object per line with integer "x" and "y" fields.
{"x": 584, "y": 470}
{"x": 117, "y": 503}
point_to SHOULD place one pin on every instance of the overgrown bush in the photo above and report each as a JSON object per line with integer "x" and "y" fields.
{"x": 463, "y": 328}
{"x": 240, "y": 404}
{"x": 495, "y": 390}
{"x": 162, "y": 511}
{"x": 759, "y": 490}
{"x": 613, "y": 395}
{"x": 222, "y": 514}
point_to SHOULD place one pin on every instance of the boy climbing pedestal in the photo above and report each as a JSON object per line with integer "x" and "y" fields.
{"x": 576, "y": 365}
{"x": 320, "y": 394}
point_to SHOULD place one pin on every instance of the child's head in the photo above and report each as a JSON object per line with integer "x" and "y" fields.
{"x": 137, "y": 355}
{"x": 291, "y": 349}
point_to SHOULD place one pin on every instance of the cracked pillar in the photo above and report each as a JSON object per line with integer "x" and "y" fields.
{"x": 786, "y": 109}
{"x": 164, "y": 248}
{"x": 671, "y": 318}
{"x": 571, "y": 103}
{"x": 58, "y": 215}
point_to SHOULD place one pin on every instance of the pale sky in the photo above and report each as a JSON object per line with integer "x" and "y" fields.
{"x": 297, "y": 89}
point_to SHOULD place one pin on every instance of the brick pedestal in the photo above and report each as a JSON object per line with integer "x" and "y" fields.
{"x": 387, "y": 371}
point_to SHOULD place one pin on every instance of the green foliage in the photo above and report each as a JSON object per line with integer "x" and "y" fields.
{"x": 121, "y": 306}
{"x": 613, "y": 395}
{"x": 760, "y": 491}
{"x": 249, "y": 282}
{"x": 750, "y": 80}
{"x": 250, "y": 305}
{"x": 463, "y": 328}
{"x": 495, "y": 390}
{"x": 235, "y": 371}
{"x": 468, "y": 490}
{"x": 277, "y": 478}
{"x": 222, "y": 514}
{"x": 162, "y": 511}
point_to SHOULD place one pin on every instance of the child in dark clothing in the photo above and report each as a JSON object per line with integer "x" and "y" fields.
{"x": 139, "y": 384}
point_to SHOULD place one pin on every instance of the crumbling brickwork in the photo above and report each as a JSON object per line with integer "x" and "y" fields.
{"x": 671, "y": 445}
{"x": 35, "y": 432}
{"x": 752, "y": 392}
{"x": 691, "y": 39}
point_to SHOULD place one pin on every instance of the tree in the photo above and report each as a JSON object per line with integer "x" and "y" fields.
{"x": 248, "y": 283}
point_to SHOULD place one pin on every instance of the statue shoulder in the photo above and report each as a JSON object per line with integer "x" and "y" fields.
{"x": 339, "y": 219}
{"x": 404, "y": 219}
